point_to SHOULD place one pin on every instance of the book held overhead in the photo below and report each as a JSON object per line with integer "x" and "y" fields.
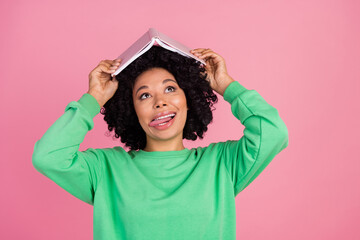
{"x": 146, "y": 41}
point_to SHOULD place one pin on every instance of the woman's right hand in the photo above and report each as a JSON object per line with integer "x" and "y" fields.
{"x": 101, "y": 86}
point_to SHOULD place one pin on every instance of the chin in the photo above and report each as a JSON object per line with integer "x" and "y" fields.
{"x": 165, "y": 134}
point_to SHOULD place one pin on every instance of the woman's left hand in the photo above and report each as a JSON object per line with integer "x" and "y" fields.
{"x": 215, "y": 67}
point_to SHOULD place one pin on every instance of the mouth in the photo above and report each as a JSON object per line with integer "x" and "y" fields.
{"x": 162, "y": 120}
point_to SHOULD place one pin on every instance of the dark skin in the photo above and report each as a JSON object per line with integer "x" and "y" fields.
{"x": 216, "y": 69}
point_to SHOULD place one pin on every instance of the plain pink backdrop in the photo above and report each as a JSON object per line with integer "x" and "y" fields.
{"x": 301, "y": 56}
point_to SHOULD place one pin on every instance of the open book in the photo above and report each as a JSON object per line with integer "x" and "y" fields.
{"x": 146, "y": 41}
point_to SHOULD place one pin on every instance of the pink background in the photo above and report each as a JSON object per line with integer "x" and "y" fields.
{"x": 301, "y": 56}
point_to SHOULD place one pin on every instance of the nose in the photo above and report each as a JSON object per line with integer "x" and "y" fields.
{"x": 160, "y": 102}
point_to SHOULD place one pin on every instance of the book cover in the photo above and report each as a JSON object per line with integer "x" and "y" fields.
{"x": 146, "y": 41}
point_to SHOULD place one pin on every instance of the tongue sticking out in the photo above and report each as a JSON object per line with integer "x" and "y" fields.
{"x": 156, "y": 122}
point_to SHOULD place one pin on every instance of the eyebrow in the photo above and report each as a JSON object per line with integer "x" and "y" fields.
{"x": 165, "y": 81}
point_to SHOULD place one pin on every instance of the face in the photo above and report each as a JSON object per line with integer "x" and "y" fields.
{"x": 156, "y": 92}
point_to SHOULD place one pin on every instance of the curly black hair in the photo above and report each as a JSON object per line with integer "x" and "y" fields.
{"x": 119, "y": 111}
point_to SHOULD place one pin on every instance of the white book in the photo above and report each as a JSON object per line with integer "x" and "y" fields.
{"x": 146, "y": 41}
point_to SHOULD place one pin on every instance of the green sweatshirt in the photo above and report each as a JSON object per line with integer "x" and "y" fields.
{"x": 187, "y": 194}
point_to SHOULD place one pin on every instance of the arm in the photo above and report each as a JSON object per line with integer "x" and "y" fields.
{"x": 56, "y": 155}
{"x": 265, "y": 135}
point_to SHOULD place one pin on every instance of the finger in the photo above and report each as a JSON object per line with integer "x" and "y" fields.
{"x": 115, "y": 65}
{"x": 201, "y": 51}
{"x": 114, "y": 79}
{"x": 205, "y": 55}
{"x": 109, "y": 64}
{"x": 206, "y": 51}
{"x": 209, "y": 54}
{"x": 106, "y": 63}
{"x": 114, "y": 62}
{"x": 198, "y": 49}
{"x": 111, "y": 61}
{"x": 106, "y": 67}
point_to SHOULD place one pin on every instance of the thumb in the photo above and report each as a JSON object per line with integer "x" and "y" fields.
{"x": 114, "y": 81}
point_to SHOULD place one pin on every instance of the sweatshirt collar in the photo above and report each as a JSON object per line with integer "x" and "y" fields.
{"x": 157, "y": 154}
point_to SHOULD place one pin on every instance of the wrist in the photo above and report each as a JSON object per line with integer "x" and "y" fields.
{"x": 98, "y": 97}
{"x": 225, "y": 83}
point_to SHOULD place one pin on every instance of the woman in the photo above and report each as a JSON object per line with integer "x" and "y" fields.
{"x": 160, "y": 189}
{"x": 125, "y": 111}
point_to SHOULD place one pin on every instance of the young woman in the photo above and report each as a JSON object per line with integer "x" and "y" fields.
{"x": 159, "y": 189}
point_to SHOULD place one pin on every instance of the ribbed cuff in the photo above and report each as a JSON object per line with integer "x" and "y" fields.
{"x": 90, "y": 104}
{"x": 233, "y": 90}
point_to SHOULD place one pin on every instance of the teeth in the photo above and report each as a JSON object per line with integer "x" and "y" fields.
{"x": 169, "y": 115}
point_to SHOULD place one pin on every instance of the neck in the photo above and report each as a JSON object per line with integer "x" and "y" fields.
{"x": 153, "y": 145}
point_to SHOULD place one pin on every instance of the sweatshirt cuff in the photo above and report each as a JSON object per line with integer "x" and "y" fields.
{"x": 233, "y": 90}
{"x": 90, "y": 104}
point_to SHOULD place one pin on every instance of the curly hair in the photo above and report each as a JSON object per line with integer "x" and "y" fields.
{"x": 119, "y": 111}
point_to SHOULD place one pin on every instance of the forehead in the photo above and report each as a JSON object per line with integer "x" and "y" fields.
{"x": 152, "y": 76}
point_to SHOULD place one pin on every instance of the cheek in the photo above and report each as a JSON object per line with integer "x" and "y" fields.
{"x": 140, "y": 114}
{"x": 180, "y": 102}
{"x": 139, "y": 111}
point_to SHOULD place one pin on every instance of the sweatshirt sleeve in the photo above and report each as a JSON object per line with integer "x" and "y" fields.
{"x": 265, "y": 135}
{"x": 56, "y": 155}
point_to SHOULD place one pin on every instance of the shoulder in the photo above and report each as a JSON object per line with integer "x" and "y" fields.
{"x": 212, "y": 149}
{"x": 108, "y": 153}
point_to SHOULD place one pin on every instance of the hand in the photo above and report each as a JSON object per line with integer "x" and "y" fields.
{"x": 101, "y": 86}
{"x": 215, "y": 67}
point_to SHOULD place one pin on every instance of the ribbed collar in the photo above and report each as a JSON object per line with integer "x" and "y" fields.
{"x": 161, "y": 154}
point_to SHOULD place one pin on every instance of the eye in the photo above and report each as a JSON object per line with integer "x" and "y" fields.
{"x": 171, "y": 87}
{"x": 144, "y": 94}
{"x": 141, "y": 97}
